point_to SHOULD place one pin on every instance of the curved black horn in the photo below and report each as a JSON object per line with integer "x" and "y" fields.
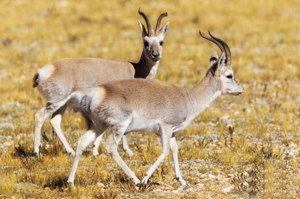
{"x": 226, "y": 47}
{"x": 147, "y": 21}
{"x": 159, "y": 20}
{"x": 214, "y": 41}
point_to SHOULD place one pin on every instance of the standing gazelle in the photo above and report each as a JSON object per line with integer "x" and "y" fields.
{"x": 151, "y": 105}
{"x": 58, "y": 80}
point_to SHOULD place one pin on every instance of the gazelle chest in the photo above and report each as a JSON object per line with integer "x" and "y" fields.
{"x": 153, "y": 71}
{"x": 184, "y": 124}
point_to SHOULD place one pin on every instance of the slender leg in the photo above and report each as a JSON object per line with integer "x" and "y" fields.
{"x": 98, "y": 141}
{"x": 55, "y": 122}
{"x": 111, "y": 147}
{"x": 83, "y": 142}
{"x": 174, "y": 149}
{"x": 166, "y": 133}
{"x": 40, "y": 118}
{"x": 125, "y": 146}
{"x": 96, "y": 144}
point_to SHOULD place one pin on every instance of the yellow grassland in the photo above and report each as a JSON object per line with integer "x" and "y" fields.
{"x": 260, "y": 158}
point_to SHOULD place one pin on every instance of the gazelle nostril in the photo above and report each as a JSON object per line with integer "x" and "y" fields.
{"x": 155, "y": 54}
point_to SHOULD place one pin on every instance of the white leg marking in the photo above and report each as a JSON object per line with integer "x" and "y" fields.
{"x": 97, "y": 144}
{"x": 40, "y": 118}
{"x": 166, "y": 133}
{"x": 83, "y": 142}
{"x": 55, "y": 122}
{"x": 126, "y": 147}
{"x": 174, "y": 149}
{"x": 111, "y": 148}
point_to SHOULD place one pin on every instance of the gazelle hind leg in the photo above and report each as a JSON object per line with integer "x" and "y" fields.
{"x": 174, "y": 149}
{"x": 97, "y": 144}
{"x": 98, "y": 141}
{"x": 83, "y": 142}
{"x": 56, "y": 122}
{"x": 126, "y": 147}
{"x": 111, "y": 147}
{"x": 40, "y": 118}
{"x": 166, "y": 133}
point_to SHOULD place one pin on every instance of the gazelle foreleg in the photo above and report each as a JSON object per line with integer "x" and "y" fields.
{"x": 174, "y": 149}
{"x": 166, "y": 133}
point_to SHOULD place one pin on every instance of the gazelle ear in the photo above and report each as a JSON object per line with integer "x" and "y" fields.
{"x": 216, "y": 64}
{"x": 213, "y": 58}
{"x": 222, "y": 60}
{"x": 164, "y": 29}
{"x": 213, "y": 66}
{"x": 143, "y": 29}
{"x": 219, "y": 64}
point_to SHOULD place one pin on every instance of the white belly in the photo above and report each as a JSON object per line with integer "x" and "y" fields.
{"x": 139, "y": 124}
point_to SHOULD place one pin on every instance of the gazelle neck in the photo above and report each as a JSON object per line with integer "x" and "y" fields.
{"x": 203, "y": 94}
{"x": 145, "y": 68}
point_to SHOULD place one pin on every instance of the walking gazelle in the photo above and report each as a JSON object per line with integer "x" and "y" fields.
{"x": 149, "y": 105}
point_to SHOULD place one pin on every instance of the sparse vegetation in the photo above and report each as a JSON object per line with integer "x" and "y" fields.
{"x": 257, "y": 157}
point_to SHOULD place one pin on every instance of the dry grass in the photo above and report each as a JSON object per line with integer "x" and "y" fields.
{"x": 259, "y": 159}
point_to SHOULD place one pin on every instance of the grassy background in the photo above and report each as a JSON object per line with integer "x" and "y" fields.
{"x": 259, "y": 158}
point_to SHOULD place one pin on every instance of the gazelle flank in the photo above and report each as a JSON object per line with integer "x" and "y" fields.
{"x": 151, "y": 105}
{"x": 56, "y": 81}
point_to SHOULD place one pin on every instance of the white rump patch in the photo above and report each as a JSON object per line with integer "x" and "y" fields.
{"x": 46, "y": 71}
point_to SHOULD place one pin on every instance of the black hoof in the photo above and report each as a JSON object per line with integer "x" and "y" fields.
{"x": 143, "y": 185}
{"x": 35, "y": 155}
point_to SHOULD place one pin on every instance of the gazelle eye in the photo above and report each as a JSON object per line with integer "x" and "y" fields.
{"x": 229, "y": 76}
{"x": 161, "y": 43}
{"x": 146, "y": 43}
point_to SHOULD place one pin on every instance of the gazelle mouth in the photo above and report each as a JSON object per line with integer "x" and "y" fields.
{"x": 233, "y": 93}
{"x": 155, "y": 59}
{"x": 236, "y": 94}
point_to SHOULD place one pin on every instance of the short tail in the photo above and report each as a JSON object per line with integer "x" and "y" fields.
{"x": 35, "y": 80}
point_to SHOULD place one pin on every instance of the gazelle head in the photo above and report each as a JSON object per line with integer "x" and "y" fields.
{"x": 221, "y": 69}
{"x": 153, "y": 38}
